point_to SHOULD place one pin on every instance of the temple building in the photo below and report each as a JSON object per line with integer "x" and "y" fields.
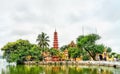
{"x": 55, "y": 42}
{"x": 72, "y": 44}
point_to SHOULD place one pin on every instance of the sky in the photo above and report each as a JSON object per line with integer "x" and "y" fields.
{"x": 25, "y": 19}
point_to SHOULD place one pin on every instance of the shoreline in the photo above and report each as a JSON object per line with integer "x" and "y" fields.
{"x": 87, "y": 63}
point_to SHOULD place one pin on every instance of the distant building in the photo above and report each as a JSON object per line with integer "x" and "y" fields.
{"x": 72, "y": 44}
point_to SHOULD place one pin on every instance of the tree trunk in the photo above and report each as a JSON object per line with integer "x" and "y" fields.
{"x": 91, "y": 54}
{"x": 93, "y": 57}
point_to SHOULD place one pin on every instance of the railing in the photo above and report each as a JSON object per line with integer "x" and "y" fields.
{"x": 98, "y": 63}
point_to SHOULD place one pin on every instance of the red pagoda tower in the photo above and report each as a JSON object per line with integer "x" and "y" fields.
{"x": 55, "y": 43}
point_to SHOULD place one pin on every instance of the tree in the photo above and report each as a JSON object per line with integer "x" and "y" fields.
{"x": 118, "y": 56}
{"x": 43, "y": 40}
{"x": 88, "y": 43}
{"x": 114, "y": 54}
{"x": 74, "y": 52}
{"x": 64, "y": 47}
{"x": 109, "y": 50}
{"x": 54, "y": 52}
{"x": 20, "y": 51}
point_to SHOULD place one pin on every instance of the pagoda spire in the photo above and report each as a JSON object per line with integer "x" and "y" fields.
{"x": 55, "y": 29}
{"x": 55, "y": 42}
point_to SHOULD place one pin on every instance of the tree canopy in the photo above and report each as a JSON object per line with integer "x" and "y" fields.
{"x": 64, "y": 47}
{"x": 43, "y": 40}
{"x": 88, "y": 43}
{"x": 20, "y": 51}
{"x": 54, "y": 52}
{"x": 74, "y": 52}
{"x": 109, "y": 50}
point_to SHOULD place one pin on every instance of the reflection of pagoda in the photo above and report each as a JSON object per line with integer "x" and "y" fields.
{"x": 55, "y": 43}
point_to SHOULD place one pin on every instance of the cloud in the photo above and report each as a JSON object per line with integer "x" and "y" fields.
{"x": 109, "y": 10}
{"x": 27, "y": 18}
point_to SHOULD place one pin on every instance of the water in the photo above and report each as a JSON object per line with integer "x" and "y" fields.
{"x": 52, "y": 69}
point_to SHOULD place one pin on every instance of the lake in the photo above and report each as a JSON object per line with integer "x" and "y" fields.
{"x": 52, "y": 69}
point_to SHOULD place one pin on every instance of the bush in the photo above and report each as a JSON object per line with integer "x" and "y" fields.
{"x": 86, "y": 57}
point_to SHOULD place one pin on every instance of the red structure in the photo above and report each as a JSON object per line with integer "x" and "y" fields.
{"x": 55, "y": 46}
{"x": 55, "y": 43}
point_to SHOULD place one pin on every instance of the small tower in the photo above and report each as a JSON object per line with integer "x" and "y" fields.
{"x": 55, "y": 43}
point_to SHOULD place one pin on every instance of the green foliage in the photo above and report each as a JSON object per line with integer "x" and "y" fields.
{"x": 43, "y": 40}
{"x": 113, "y": 53}
{"x": 90, "y": 39}
{"x": 109, "y": 55}
{"x": 54, "y": 52}
{"x": 74, "y": 52}
{"x": 96, "y": 48}
{"x": 109, "y": 50}
{"x": 88, "y": 43}
{"x": 64, "y": 47}
{"x": 86, "y": 57}
{"x": 118, "y": 56}
{"x": 19, "y": 50}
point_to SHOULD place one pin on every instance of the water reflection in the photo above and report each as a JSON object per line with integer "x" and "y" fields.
{"x": 50, "y": 69}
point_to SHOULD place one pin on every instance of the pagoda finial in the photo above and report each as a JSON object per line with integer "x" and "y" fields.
{"x": 55, "y": 29}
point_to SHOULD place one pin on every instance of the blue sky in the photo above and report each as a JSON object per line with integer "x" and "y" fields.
{"x": 25, "y": 19}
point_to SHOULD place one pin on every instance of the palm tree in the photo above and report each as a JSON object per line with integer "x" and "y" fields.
{"x": 43, "y": 40}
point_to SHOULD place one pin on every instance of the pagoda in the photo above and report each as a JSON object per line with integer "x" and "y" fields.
{"x": 55, "y": 46}
{"x": 55, "y": 43}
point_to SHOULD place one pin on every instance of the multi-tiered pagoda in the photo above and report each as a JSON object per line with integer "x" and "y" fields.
{"x": 55, "y": 46}
{"x": 55, "y": 43}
